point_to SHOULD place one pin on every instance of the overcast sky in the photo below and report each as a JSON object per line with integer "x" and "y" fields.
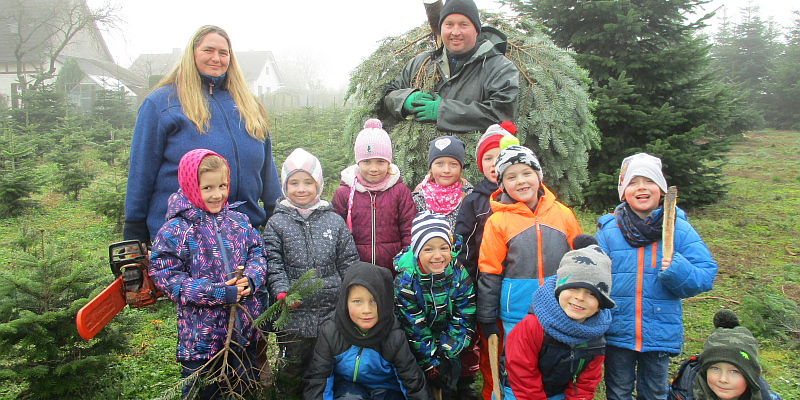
{"x": 341, "y": 33}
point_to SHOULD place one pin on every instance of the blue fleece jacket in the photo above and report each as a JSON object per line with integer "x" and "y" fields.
{"x": 162, "y": 136}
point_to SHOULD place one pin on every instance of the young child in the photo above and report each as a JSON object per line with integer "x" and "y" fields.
{"x": 363, "y": 354}
{"x": 443, "y": 188}
{"x": 727, "y": 369}
{"x": 305, "y": 234}
{"x": 556, "y": 351}
{"x": 193, "y": 261}
{"x": 475, "y": 210}
{"x": 523, "y": 241}
{"x": 373, "y": 200}
{"x": 435, "y": 300}
{"x": 647, "y": 326}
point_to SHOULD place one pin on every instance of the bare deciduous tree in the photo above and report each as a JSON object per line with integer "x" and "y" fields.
{"x": 41, "y": 29}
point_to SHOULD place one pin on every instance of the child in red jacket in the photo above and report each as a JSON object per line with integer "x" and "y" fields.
{"x": 373, "y": 200}
{"x": 557, "y": 350}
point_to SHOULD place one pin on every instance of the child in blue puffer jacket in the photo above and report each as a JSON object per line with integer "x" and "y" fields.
{"x": 193, "y": 261}
{"x": 647, "y": 326}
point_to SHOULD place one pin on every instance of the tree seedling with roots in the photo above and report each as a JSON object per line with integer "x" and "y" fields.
{"x": 222, "y": 367}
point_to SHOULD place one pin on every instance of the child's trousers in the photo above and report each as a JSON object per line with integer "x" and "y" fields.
{"x": 648, "y": 371}
{"x": 344, "y": 390}
{"x": 296, "y": 353}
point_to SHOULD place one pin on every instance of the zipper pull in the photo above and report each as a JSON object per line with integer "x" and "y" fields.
{"x": 211, "y": 88}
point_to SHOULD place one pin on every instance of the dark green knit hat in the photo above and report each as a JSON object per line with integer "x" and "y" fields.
{"x": 733, "y": 344}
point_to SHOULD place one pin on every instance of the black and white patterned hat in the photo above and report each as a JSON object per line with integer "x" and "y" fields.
{"x": 515, "y": 154}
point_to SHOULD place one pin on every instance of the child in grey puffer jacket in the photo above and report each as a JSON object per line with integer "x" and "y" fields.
{"x": 304, "y": 233}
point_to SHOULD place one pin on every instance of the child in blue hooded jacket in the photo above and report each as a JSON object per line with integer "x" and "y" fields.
{"x": 647, "y": 326}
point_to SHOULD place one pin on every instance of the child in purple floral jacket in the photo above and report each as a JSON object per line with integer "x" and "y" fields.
{"x": 193, "y": 261}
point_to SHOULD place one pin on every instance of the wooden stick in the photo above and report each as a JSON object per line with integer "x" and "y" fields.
{"x": 494, "y": 361}
{"x": 668, "y": 228}
{"x": 433, "y": 9}
{"x": 437, "y": 394}
{"x": 231, "y": 323}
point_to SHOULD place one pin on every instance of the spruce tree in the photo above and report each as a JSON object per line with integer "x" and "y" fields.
{"x": 113, "y": 106}
{"x": 553, "y": 108}
{"x": 781, "y": 108}
{"x": 745, "y": 52}
{"x": 17, "y": 177}
{"x": 653, "y": 88}
{"x": 39, "y": 342}
{"x": 68, "y": 155}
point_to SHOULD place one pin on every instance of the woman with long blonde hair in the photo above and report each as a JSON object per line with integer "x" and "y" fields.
{"x": 203, "y": 102}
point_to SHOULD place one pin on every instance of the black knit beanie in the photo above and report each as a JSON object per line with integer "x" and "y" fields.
{"x": 733, "y": 344}
{"x": 446, "y": 146}
{"x": 466, "y": 8}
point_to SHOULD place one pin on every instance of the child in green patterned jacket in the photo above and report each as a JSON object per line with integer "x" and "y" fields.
{"x": 435, "y": 300}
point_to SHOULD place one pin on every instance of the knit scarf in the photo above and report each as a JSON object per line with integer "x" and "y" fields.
{"x": 372, "y": 187}
{"x": 306, "y": 210}
{"x": 636, "y": 231}
{"x": 557, "y": 324}
{"x": 440, "y": 199}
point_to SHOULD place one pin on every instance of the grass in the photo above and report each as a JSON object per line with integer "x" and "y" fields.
{"x": 752, "y": 233}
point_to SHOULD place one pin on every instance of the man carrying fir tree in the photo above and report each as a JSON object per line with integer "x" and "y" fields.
{"x": 476, "y": 85}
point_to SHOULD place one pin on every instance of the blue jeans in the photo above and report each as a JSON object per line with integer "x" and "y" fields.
{"x": 344, "y": 390}
{"x": 649, "y": 370}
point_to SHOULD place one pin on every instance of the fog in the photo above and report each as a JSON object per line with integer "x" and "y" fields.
{"x": 335, "y": 34}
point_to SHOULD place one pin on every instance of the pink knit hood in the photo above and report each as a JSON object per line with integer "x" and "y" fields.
{"x": 187, "y": 176}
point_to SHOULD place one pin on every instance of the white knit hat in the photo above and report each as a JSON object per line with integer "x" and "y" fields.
{"x": 641, "y": 164}
{"x": 301, "y": 160}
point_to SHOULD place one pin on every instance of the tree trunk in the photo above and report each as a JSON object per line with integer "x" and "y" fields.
{"x": 433, "y": 9}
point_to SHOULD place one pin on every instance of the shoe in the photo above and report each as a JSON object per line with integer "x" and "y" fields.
{"x": 464, "y": 390}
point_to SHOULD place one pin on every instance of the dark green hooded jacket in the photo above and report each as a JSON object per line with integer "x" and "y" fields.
{"x": 482, "y": 93}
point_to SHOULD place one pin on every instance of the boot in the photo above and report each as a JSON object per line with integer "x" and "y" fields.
{"x": 464, "y": 389}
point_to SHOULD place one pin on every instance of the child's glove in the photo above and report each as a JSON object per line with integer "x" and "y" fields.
{"x": 282, "y": 295}
{"x": 440, "y": 375}
{"x": 490, "y": 329}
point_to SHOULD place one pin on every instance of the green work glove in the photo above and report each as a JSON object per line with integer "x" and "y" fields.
{"x": 407, "y": 105}
{"x": 426, "y": 110}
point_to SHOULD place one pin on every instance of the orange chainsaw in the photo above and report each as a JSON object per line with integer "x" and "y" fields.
{"x": 132, "y": 286}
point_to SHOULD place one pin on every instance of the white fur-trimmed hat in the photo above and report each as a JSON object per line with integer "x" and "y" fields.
{"x": 641, "y": 164}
